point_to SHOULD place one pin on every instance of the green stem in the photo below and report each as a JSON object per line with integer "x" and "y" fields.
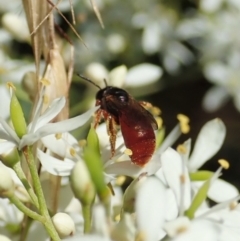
{"x": 39, "y": 192}
{"x": 18, "y": 169}
{"x": 87, "y": 216}
{"x": 25, "y": 209}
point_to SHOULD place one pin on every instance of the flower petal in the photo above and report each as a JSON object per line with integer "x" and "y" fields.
{"x": 125, "y": 229}
{"x": 221, "y": 191}
{"x": 209, "y": 141}
{"x": 58, "y": 127}
{"x": 6, "y": 146}
{"x": 123, "y": 168}
{"x": 11, "y": 135}
{"x": 61, "y": 146}
{"x": 170, "y": 139}
{"x": 129, "y": 169}
{"x": 53, "y": 110}
{"x": 176, "y": 175}
{"x": 150, "y": 208}
{"x": 215, "y": 98}
{"x": 88, "y": 237}
{"x": 198, "y": 230}
{"x": 4, "y": 98}
{"x": 117, "y": 76}
{"x": 54, "y": 165}
{"x": 143, "y": 74}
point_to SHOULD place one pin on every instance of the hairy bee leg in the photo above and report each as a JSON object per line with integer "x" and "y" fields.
{"x": 112, "y": 132}
{"x": 97, "y": 118}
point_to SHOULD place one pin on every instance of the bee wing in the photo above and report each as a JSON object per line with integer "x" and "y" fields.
{"x": 136, "y": 114}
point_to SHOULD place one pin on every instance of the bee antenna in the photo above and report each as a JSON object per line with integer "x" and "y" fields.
{"x": 88, "y": 80}
{"x": 105, "y": 82}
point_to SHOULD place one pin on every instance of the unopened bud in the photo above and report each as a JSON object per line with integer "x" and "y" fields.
{"x": 64, "y": 224}
{"x": 81, "y": 183}
{"x": 6, "y": 182}
{"x": 16, "y": 25}
{"x": 10, "y": 158}
{"x": 16, "y": 113}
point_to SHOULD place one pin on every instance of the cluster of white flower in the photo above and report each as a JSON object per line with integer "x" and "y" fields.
{"x": 168, "y": 198}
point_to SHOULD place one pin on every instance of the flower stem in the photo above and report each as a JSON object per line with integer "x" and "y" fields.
{"x": 18, "y": 169}
{"x": 25, "y": 209}
{"x": 87, "y": 216}
{"x": 39, "y": 192}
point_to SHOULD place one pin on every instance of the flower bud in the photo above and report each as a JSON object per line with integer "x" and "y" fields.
{"x": 81, "y": 183}
{"x": 10, "y": 158}
{"x": 16, "y": 114}
{"x": 64, "y": 224}
{"x": 6, "y": 182}
{"x": 16, "y": 25}
{"x": 92, "y": 158}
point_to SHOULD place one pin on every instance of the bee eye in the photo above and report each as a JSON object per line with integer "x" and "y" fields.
{"x": 122, "y": 95}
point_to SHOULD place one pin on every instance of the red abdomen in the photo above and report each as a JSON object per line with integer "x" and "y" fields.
{"x": 140, "y": 138}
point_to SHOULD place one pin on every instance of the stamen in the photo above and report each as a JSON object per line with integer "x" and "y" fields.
{"x": 184, "y": 123}
{"x": 159, "y": 121}
{"x": 58, "y": 136}
{"x": 72, "y": 152}
{"x": 181, "y": 149}
{"x": 128, "y": 152}
{"x": 141, "y": 236}
{"x": 156, "y": 111}
{"x": 183, "y": 118}
{"x": 45, "y": 99}
{"x": 182, "y": 229}
{"x": 224, "y": 163}
{"x": 82, "y": 143}
{"x": 10, "y": 85}
{"x": 185, "y": 128}
{"x": 233, "y": 205}
{"x": 120, "y": 180}
{"x": 182, "y": 179}
{"x": 45, "y": 82}
{"x": 117, "y": 217}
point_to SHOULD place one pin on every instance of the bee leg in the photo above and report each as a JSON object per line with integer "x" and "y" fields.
{"x": 97, "y": 118}
{"x": 112, "y": 132}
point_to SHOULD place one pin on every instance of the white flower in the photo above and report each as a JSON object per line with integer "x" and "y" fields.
{"x": 160, "y": 35}
{"x": 10, "y": 70}
{"x": 226, "y": 80}
{"x": 9, "y": 214}
{"x": 183, "y": 230}
{"x": 112, "y": 166}
{"x": 40, "y": 126}
{"x": 17, "y": 26}
{"x": 150, "y": 208}
{"x": 98, "y": 73}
